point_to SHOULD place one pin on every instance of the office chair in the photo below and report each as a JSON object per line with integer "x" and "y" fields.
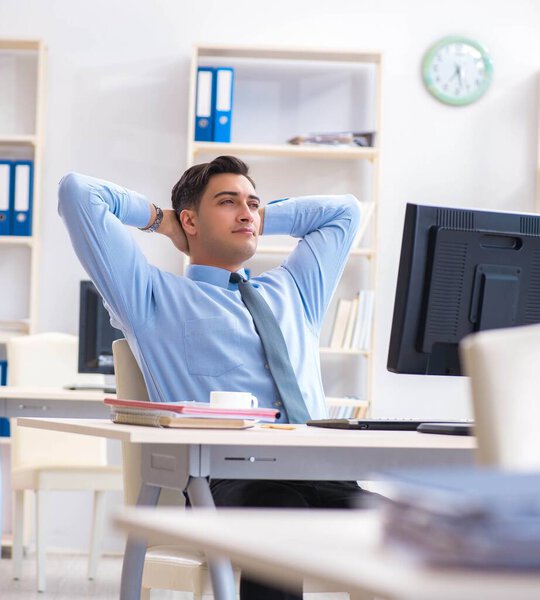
{"x": 46, "y": 460}
{"x": 167, "y": 567}
{"x": 504, "y": 370}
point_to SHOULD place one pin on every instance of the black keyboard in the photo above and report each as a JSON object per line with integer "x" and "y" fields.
{"x": 423, "y": 426}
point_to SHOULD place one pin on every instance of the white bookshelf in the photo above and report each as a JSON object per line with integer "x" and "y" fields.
{"x": 349, "y": 82}
{"x": 22, "y": 70}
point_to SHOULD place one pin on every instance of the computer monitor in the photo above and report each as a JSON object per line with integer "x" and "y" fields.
{"x": 461, "y": 271}
{"x": 96, "y": 334}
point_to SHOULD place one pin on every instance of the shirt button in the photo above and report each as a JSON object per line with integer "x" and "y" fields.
{"x": 266, "y": 366}
{"x": 278, "y": 403}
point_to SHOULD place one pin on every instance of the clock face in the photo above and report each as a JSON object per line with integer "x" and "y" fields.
{"x": 457, "y": 70}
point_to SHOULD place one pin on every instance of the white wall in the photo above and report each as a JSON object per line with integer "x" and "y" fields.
{"x": 117, "y": 109}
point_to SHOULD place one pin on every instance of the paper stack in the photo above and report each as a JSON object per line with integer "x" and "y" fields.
{"x": 186, "y": 414}
{"x": 466, "y": 517}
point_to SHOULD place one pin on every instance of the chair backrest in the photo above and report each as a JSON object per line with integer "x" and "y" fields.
{"x": 504, "y": 370}
{"x": 46, "y": 360}
{"x": 130, "y": 386}
{"x": 49, "y": 360}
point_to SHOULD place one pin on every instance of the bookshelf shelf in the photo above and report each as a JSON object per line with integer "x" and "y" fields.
{"x": 15, "y": 240}
{"x": 18, "y": 140}
{"x": 353, "y": 351}
{"x": 284, "y": 150}
{"x": 332, "y": 82}
{"x": 280, "y": 53}
{"x": 13, "y": 328}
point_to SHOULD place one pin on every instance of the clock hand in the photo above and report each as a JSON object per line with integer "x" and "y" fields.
{"x": 456, "y": 74}
{"x": 459, "y": 75}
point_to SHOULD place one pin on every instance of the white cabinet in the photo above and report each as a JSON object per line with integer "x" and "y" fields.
{"x": 280, "y": 93}
{"x": 22, "y": 74}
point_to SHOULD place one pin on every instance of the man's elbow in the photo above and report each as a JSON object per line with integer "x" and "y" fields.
{"x": 353, "y": 206}
{"x": 69, "y": 189}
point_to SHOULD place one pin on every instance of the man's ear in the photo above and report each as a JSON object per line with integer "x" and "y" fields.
{"x": 188, "y": 220}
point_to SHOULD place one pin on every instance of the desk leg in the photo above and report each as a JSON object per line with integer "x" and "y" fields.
{"x": 132, "y": 567}
{"x": 221, "y": 571}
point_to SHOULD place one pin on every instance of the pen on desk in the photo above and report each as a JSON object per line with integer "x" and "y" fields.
{"x": 278, "y": 426}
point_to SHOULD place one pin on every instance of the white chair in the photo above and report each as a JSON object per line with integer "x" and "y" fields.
{"x": 46, "y": 460}
{"x": 167, "y": 567}
{"x": 504, "y": 370}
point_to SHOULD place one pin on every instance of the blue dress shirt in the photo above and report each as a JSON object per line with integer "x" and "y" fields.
{"x": 193, "y": 334}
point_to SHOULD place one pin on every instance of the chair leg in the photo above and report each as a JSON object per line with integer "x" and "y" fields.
{"x": 361, "y": 596}
{"x": 145, "y": 593}
{"x": 40, "y": 541}
{"x": 96, "y": 533}
{"x": 17, "y": 549}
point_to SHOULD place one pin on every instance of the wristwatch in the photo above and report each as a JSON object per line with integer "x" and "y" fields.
{"x": 157, "y": 221}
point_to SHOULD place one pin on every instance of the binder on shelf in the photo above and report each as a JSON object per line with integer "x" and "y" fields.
{"x": 5, "y": 197}
{"x": 3, "y": 372}
{"x": 204, "y": 104}
{"x": 22, "y": 197}
{"x": 223, "y": 104}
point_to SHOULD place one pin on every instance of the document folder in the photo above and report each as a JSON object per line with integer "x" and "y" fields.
{"x": 204, "y": 103}
{"x": 3, "y": 372}
{"x": 223, "y": 104}
{"x": 5, "y": 197}
{"x": 21, "y": 211}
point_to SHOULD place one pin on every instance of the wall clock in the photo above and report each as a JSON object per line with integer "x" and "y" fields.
{"x": 457, "y": 70}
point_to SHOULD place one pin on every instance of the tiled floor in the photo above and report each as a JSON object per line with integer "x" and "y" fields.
{"x": 66, "y": 580}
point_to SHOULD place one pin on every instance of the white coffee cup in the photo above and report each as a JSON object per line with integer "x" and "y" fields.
{"x": 233, "y": 400}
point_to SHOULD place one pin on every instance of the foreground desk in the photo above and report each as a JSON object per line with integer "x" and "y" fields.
{"x": 341, "y": 548}
{"x": 184, "y": 459}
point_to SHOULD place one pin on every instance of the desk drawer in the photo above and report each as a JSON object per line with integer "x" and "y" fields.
{"x": 71, "y": 409}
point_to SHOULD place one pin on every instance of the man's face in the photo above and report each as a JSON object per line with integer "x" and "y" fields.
{"x": 226, "y": 226}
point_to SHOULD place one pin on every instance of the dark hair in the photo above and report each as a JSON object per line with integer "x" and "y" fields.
{"x": 188, "y": 191}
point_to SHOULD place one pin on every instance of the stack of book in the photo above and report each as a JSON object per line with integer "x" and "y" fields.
{"x": 194, "y": 415}
{"x": 352, "y": 323}
{"x": 465, "y": 517}
{"x": 335, "y": 138}
{"x": 346, "y": 408}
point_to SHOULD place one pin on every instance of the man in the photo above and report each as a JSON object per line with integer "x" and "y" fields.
{"x": 193, "y": 334}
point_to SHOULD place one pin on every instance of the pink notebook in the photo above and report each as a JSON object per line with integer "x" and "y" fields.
{"x": 191, "y": 409}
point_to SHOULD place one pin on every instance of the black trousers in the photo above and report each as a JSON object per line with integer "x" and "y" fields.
{"x": 282, "y": 494}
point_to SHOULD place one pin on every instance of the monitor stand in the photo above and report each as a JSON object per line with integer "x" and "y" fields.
{"x": 108, "y": 386}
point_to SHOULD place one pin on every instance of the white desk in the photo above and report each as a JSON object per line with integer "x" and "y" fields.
{"x": 19, "y": 401}
{"x": 341, "y": 548}
{"x": 184, "y": 459}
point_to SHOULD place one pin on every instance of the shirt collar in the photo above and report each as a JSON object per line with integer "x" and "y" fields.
{"x": 213, "y": 275}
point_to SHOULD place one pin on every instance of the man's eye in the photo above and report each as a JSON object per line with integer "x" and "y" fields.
{"x": 226, "y": 201}
{"x": 254, "y": 206}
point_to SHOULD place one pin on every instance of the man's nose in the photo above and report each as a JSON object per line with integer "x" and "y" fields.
{"x": 245, "y": 214}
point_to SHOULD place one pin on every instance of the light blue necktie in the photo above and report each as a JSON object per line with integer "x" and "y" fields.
{"x": 276, "y": 351}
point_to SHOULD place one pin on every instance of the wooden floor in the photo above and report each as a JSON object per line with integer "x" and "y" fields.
{"x": 66, "y": 580}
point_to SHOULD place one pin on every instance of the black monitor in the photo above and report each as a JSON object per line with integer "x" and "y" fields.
{"x": 461, "y": 271}
{"x": 96, "y": 334}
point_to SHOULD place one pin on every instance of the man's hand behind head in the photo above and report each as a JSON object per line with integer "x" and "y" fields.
{"x": 171, "y": 228}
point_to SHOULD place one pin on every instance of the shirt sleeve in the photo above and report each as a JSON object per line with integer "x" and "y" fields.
{"x": 327, "y": 226}
{"x": 95, "y": 213}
